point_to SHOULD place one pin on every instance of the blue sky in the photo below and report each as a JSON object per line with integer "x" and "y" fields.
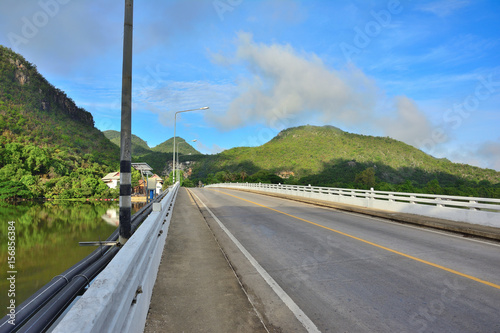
{"x": 424, "y": 72}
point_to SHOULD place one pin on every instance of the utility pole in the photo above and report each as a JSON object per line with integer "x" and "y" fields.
{"x": 126, "y": 128}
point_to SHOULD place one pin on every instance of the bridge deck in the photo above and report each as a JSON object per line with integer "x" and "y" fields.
{"x": 196, "y": 289}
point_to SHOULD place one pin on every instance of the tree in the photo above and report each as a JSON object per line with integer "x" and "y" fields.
{"x": 12, "y": 172}
{"x": 220, "y": 177}
{"x": 136, "y": 176}
{"x": 366, "y": 178}
{"x": 36, "y": 159}
{"x": 243, "y": 175}
{"x": 264, "y": 176}
{"x": 407, "y": 187}
{"x": 188, "y": 183}
{"x": 32, "y": 183}
{"x": 433, "y": 187}
{"x": 13, "y": 189}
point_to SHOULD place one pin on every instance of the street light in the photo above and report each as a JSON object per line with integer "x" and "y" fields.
{"x": 173, "y": 153}
{"x": 178, "y": 171}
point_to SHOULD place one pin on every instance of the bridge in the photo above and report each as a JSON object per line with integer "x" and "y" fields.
{"x": 278, "y": 258}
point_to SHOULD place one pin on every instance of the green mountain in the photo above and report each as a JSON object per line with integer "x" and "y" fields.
{"x": 159, "y": 157}
{"x": 48, "y": 145}
{"x": 328, "y": 156}
{"x": 139, "y": 146}
{"x": 184, "y": 148}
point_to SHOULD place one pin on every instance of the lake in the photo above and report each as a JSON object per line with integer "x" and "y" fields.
{"x": 47, "y": 236}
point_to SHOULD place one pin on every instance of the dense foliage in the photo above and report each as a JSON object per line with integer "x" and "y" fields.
{"x": 49, "y": 147}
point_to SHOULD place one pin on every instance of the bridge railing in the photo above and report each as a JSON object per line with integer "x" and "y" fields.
{"x": 484, "y": 211}
{"x": 119, "y": 297}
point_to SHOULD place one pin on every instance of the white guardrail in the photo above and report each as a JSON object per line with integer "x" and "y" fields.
{"x": 118, "y": 299}
{"x": 473, "y": 210}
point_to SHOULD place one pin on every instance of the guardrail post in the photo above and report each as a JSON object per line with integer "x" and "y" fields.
{"x": 412, "y": 199}
{"x": 439, "y": 204}
{"x": 473, "y": 202}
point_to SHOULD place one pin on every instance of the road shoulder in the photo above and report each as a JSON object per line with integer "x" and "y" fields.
{"x": 196, "y": 290}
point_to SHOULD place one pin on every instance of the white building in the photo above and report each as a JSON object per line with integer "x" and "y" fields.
{"x": 159, "y": 182}
{"x": 111, "y": 179}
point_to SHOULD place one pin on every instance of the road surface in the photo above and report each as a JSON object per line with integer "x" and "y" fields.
{"x": 342, "y": 272}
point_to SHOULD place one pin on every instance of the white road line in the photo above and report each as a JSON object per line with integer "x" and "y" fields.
{"x": 299, "y": 314}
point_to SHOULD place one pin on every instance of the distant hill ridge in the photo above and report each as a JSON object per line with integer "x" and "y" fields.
{"x": 140, "y": 147}
{"x": 184, "y": 148}
{"x": 159, "y": 157}
{"x": 326, "y": 155}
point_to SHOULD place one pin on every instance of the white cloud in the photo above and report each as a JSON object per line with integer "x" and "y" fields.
{"x": 285, "y": 88}
{"x": 485, "y": 154}
{"x": 166, "y": 97}
{"x": 215, "y": 149}
{"x": 283, "y": 84}
{"x": 409, "y": 124}
{"x": 443, "y": 7}
{"x": 489, "y": 154}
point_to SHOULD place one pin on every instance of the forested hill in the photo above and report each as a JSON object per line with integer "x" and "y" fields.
{"x": 48, "y": 145}
{"x": 158, "y": 157}
{"x": 139, "y": 146}
{"x": 328, "y": 156}
{"x": 184, "y": 149}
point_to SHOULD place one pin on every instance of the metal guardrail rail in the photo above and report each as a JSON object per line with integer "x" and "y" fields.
{"x": 474, "y": 210}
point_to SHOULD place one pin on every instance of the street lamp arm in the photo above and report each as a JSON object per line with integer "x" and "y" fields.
{"x": 203, "y": 108}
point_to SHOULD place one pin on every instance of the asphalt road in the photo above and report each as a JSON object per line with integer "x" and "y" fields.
{"x": 346, "y": 272}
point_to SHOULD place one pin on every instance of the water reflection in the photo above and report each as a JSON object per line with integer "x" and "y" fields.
{"x": 112, "y": 217}
{"x": 47, "y": 236}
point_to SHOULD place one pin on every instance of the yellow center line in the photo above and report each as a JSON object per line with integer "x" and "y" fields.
{"x": 190, "y": 196}
{"x": 371, "y": 243}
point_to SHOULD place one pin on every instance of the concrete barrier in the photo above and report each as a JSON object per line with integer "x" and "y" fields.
{"x": 482, "y": 211}
{"x": 118, "y": 299}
